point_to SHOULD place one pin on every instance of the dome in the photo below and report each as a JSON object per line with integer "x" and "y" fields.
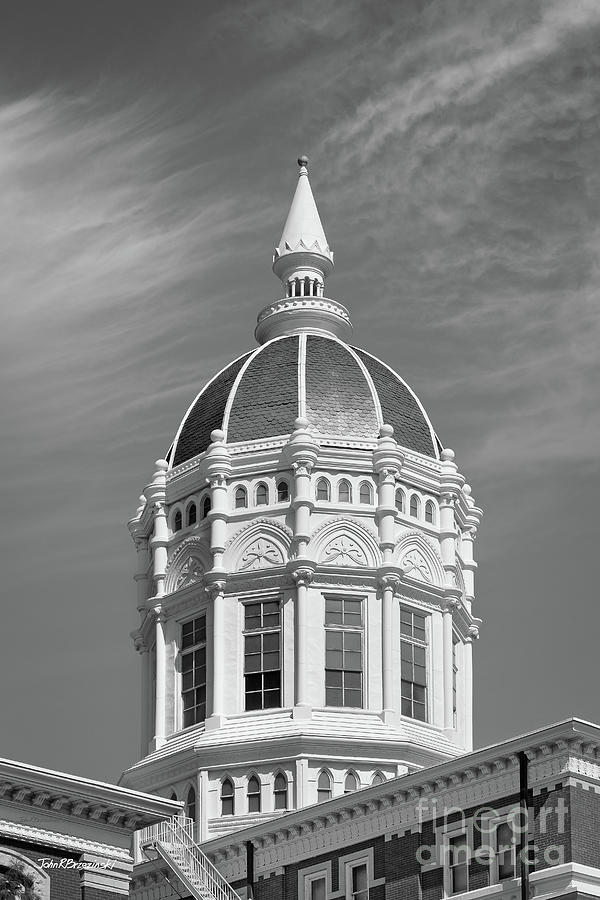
{"x": 345, "y": 393}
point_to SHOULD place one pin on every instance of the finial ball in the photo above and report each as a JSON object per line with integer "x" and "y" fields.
{"x": 217, "y": 436}
{"x": 162, "y": 464}
{"x": 447, "y": 455}
{"x": 386, "y": 430}
{"x": 303, "y": 161}
{"x": 300, "y": 423}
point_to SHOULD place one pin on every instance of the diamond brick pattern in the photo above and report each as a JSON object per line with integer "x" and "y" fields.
{"x": 399, "y": 407}
{"x": 266, "y": 399}
{"x": 206, "y": 414}
{"x": 338, "y": 399}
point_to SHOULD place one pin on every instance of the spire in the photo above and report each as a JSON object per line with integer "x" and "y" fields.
{"x": 303, "y": 229}
{"x": 303, "y": 261}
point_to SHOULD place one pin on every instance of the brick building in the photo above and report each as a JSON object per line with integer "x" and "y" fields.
{"x": 71, "y": 836}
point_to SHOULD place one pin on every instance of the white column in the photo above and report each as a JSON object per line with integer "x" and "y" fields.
{"x": 448, "y": 667}
{"x": 161, "y": 674}
{"x": 145, "y": 662}
{"x": 302, "y": 576}
{"x": 389, "y": 584}
{"x": 468, "y": 683}
{"x": 387, "y": 462}
{"x": 303, "y": 504}
{"x": 219, "y": 655}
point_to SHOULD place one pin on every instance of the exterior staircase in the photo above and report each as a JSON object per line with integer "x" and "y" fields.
{"x": 173, "y": 842}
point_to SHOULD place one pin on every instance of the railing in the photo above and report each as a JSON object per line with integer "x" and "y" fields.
{"x": 174, "y": 841}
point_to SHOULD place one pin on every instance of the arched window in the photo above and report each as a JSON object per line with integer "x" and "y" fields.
{"x": 190, "y": 804}
{"x": 378, "y": 778}
{"x": 323, "y": 489}
{"x": 283, "y": 492}
{"x": 365, "y": 493}
{"x": 227, "y": 798}
{"x": 262, "y": 494}
{"x": 173, "y": 796}
{"x": 430, "y": 512}
{"x": 400, "y": 501}
{"x": 344, "y": 491}
{"x": 350, "y": 783}
{"x": 241, "y": 498}
{"x": 324, "y": 791}
{"x": 178, "y": 521}
{"x": 415, "y": 506}
{"x": 206, "y": 507}
{"x": 253, "y": 794}
{"x": 307, "y": 286}
{"x": 192, "y": 514}
{"x": 297, "y": 284}
{"x": 280, "y": 787}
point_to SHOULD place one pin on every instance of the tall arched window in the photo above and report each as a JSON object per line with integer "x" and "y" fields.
{"x": 283, "y": 492}
{"x": 430, "y": 512}
{"x": 190, "y": 804}
{"x": 323, "y": 489}
{"x": 400, "y": 501}
{"x": 262, "y": 494}
{"x": 177, "y": 521}
{"x": 253, "y": 794}
{"x": 378, "y": 778}
{"x": 206, "y": 507}
{"x": 415, "y": 506}
{"x": 192, "y": 514}
{"x": 344, "y": 491}
{"x": 173, "y": 796}
{"x": 241, "y": 498}
{"x": 227, "y": 798}
{"x": 324, "y": 791}
{"x": 366, "y": 495}
{"x": 350, "y": 783}
{"x": 280, "y": 787}
{"x": 307, "y": 286}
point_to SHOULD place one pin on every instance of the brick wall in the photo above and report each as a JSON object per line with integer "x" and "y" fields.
{"x": 64, "y": 883}
{"x": 584, "y": 819}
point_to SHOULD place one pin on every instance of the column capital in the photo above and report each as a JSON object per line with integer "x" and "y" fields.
{"x": 215, "y": 588}
{"x": 303, "y": 466}
{"x": 303, "y": 575}
{"x": 450, "y": 604}
{"x": 473, "y": 632}
{"x": 390, "y": 576}
{"x": 217, "y": 480}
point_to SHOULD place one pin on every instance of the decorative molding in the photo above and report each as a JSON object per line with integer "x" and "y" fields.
{"x": 343, "y": 551}
{"x": 261, "y": 554}
{"x": 415, "y": 566}
{"x": 29, "y": 833}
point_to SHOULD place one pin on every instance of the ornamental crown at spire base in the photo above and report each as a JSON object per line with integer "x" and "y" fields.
{"x": 302, "y": 261}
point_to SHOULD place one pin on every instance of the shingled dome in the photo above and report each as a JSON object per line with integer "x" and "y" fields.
{"x": 345, "y": 393}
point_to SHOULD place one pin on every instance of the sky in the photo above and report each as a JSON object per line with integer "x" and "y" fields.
{"x": 147, "y": 162}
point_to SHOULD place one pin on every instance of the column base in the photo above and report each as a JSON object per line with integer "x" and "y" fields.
{"x": 213, "y": 723}
{"x": 390, "y": 717}
{"x": 302, "y": 712}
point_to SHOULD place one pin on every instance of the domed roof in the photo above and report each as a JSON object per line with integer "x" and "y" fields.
{"x": 345, "y": 393}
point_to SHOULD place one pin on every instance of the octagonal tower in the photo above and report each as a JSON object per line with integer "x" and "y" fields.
{"x": 306, "y": 573}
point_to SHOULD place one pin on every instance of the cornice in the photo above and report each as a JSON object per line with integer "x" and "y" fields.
{"x": 31, "y": 834}
{"x": 81, "y": 798}
{"x": 405, "y": 802}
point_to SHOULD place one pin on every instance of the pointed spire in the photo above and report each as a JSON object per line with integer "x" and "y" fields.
{"x": 303, "y": 261}
{"x": 303, "y": 229}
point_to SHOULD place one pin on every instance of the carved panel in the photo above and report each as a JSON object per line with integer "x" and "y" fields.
{"x": 343, "y": 551}
{"x": 416, "y": 566}
{"x": 261, "y": 554}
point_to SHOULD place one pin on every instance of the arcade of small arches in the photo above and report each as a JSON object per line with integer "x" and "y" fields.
{"x": 279, "y": 789}
{"x": 343, "y": 491}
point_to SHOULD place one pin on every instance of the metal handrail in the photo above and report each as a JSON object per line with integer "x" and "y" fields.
{"x": 176, "y": 837}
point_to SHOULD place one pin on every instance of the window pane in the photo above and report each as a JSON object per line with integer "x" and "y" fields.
{"x": 271, "y": 641}
{"x": 353, "y": 662}
{"x": 334, "y": 640}
{"x": 352, "y": 641}
{"x": 353, "y": 680}
{"x": 317, "y": 889}
{"x": 333, "y": 679}
{"x": 334, "y": 659}
{"x": 333, "y": 697}
{"x": 353, "y": 698}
